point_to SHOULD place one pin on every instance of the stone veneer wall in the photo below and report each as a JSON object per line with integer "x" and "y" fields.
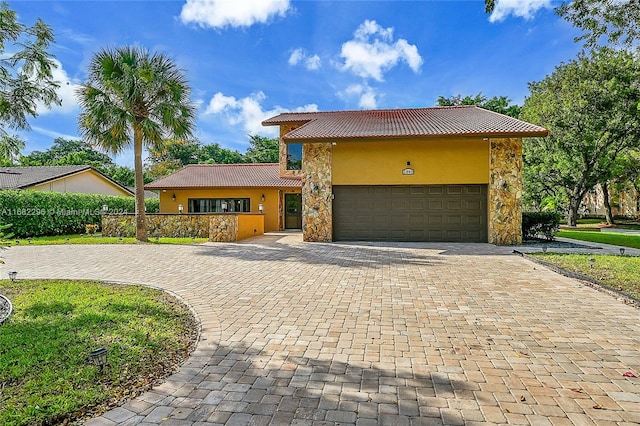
{"x": 316, "y": 193}
{"x": 217, "y": 227}
{"x": 161, "y": 225}
{"x": 223, "y": 228}
{"x": 505, "y": 191}
{"x": 284, "y": 129}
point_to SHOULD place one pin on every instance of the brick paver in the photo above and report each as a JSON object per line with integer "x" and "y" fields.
{"x": 311, "y": 333}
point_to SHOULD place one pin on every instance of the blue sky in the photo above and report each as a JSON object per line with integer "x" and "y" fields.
{"x": 247, "y": 60}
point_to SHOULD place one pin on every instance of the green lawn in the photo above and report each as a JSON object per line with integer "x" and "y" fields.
{"x": 97, "y": 239}
{"x": 45, "y": 377}
{"x": 621, "y": 273}
{"x": 624, "y": 240}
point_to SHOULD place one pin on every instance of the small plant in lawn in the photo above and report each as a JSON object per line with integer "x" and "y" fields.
{"x": 91, "y": 229}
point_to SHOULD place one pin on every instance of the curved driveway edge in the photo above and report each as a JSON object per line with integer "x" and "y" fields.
{"x": 312, "y": 333}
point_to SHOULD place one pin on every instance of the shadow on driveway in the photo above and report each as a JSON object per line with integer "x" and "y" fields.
{"x": 290, "y": 247}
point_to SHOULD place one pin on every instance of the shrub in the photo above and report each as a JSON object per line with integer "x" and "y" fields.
{"x": 546, "y": 224}
{"x": 36, "y": 213}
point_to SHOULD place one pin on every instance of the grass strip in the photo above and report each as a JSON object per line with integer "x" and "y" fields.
{"x": 623, "y": 240}
{"x": 618, "y": 273}
{"x": 97, "y": 239}
{"x": 45, "y": 376}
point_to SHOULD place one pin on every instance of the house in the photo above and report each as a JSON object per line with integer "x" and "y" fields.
{"x": 624, "y": 200}
{"x": 233, "y": 188}
{"x": 419, "y": 174}
{"x": 74, "y": 179}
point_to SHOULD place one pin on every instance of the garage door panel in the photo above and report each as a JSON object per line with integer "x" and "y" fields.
{"x": 410, "y": 213}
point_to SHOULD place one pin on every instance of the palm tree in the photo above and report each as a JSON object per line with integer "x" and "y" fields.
{"x": 131, "y": 94}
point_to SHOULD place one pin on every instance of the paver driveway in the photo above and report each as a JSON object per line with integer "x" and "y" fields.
{"x": 396, "y": 334}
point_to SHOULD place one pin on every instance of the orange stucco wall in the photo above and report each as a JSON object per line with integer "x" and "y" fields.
{"x": 270, "y": 203}
{"x": 250, "y": 225}
{"x": 434, "y": 161}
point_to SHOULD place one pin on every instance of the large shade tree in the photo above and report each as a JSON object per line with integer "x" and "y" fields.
{"x": 590, "y": 107}
{"x": 132, "y": 96}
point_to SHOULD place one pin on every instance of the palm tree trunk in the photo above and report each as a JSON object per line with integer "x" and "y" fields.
{"x": 141, "y": 225}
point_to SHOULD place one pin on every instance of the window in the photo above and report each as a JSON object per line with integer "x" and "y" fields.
{"x": 218, "y": 205}
{"x": 294, "y": 156}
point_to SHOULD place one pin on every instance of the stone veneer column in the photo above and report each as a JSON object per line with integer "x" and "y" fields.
{"x": 316, "y": 192}
{"x": 505, "y": 191}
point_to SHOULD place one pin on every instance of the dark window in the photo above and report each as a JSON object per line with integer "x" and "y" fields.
{"x": 219, "y": 205}
{"x": 294, "y": 156}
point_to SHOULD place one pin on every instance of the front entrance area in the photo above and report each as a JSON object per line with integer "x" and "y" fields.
{"x": 292, "y": 211}
{"x": 437, "y": 213}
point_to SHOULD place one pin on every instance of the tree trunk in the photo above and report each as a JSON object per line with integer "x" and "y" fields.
{"x": 141, "y": 225}
{"x": 607, "y": 203}
{"x": 574, "y": 204}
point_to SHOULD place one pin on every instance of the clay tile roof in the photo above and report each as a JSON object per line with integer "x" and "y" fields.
{"x": 225, "y": 176}
{"x": 396, "y": 123}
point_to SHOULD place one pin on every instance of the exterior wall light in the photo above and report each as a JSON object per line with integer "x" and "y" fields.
{"x": 99, "y": 357}
{"x": 173, "y": 197}
{"x": 260, "y": 208}
{"x": 262, "y": 198}
{"x": 224, "y": 206}
{"x": 180, "y": 208}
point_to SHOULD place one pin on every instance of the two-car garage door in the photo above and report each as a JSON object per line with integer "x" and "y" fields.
{"x": 456, "y": 213}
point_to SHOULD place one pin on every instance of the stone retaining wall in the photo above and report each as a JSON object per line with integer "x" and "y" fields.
{"x": 221, "y": 227}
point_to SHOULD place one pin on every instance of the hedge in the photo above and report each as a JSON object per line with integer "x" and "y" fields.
{"x": 36, "y": 213}
{"x": 546, "y": 224}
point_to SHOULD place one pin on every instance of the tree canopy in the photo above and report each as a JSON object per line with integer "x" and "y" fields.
{"x": 590, "y": 107}
{"x": 615, "y": 22}
{"x": 499, "y": 104}
{"x": 66, "y": 152}
{"x": 26, "y": 68}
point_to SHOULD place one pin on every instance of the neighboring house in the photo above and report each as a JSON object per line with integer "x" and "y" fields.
{"x": 74, "y": 179}
{"x": 421, "y": 174}
{"x": 217, "y": 188}
{"x": 625, "y": 201}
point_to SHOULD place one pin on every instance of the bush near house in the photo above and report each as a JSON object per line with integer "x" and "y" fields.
{"x": 545, "y": 224}
{"x": 35, "y": 213}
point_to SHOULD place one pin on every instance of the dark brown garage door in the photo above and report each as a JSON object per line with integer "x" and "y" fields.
{"x": 456, "y": 213}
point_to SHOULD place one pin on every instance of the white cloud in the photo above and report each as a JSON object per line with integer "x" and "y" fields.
{"x": 296, "y": 56}
{"x": 521, "y": 8}
{"x": 248, "y": 112}
{"x": 311, "y": 63}
{"x": 367, "y": 96}
{"x": 372, "y": 52}
{"x": 53, "y": 134}
{"x": 66, "y": 92}
{"x": 232, "y": 13}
